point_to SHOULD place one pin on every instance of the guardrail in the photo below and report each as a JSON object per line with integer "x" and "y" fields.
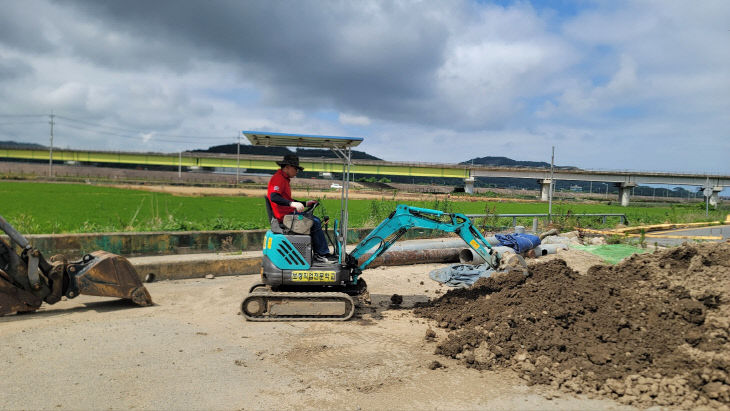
{"x": 622, "y": 217}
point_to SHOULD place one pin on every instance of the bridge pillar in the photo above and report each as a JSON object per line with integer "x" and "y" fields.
{"x": 715, "y": 196}
{"x": 469, "y": 185}
{"x": 545, "y": 192}
{"x": 624, "y": 193}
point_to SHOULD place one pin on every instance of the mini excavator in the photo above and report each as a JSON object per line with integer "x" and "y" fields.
{"x": 293, "y": 287}
{"x": 28, "y": 279}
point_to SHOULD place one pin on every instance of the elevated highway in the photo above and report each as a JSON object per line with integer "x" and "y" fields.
{"x": 625, "y": 180}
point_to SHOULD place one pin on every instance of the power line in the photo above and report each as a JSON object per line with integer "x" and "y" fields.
{"x": 22, "y": 122}
{"x": 110, "y": 130}
{"x": 135, "y": 137}
{"x": 137, "y": 131}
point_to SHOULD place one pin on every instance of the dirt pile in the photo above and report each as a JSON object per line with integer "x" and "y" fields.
{"x": 652, "y": 330}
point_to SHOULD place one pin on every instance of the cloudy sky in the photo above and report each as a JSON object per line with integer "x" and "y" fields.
{"x": 638, "y": 85}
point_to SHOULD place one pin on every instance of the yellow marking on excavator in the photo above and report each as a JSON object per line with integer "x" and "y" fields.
{"x": 270, "y": 243}
{"x": 474, "y": 244}
{"x": 326, "y": 276}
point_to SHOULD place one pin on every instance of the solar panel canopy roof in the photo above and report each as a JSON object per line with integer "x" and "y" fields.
{"x": 263, "y": 138}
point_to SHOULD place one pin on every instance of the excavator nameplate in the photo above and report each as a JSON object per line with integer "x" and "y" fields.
{"x": 318, "y": 276}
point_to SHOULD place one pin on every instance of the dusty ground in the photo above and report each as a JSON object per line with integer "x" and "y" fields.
{"x": 193, "y": 351}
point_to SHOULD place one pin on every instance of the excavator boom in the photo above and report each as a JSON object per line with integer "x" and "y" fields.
{"x": 406, "y": 217}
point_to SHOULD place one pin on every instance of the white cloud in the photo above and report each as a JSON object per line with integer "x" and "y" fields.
{"x": 617, "y": 85}
{"x": 580, "y": 98}
{"x": 354, "y": 120}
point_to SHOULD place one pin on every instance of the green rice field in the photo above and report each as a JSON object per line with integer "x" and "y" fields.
{"x": 40, "y": 208}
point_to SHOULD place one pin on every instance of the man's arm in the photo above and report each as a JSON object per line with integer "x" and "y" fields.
{"x": 280, "y": 200}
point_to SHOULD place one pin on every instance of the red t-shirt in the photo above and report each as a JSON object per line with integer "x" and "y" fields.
{"x": 279, "y": 183}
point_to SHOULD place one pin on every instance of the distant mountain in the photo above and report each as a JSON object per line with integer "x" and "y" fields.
{"x": 508, "y": 162}
{"x": 318, "y": 152}
{"x": 282, "y": 151}
{"x": 15, "y": 144}
{"x": 246, "y": 149}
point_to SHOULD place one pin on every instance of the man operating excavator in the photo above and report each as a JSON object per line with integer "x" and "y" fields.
{"x": 282, "y": 204}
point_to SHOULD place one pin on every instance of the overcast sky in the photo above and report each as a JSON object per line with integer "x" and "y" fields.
{"x": 638, "y": 85}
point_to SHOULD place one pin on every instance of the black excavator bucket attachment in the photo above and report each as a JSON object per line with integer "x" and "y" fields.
{"x": 28, "y": 279}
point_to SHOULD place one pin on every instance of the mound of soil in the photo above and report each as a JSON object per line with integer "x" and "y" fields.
{"x": 652, "y": 330}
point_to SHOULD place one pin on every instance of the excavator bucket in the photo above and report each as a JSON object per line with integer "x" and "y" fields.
{"x": 28, "y": 279}
{"x": 107, "y": 275}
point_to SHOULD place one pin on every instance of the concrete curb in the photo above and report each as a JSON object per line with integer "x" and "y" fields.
{"x": 173, "y": 242}
{"x": 178, "y": 267}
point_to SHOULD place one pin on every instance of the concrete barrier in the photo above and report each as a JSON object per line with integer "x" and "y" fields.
{"x": 177, "y": 267}
{"x": 173, "y": 242}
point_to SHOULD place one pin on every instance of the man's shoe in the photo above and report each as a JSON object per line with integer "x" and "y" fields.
{"x": 325, "y": 259}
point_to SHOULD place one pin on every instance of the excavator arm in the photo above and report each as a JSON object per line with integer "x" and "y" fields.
{"x": 405, "y": 217}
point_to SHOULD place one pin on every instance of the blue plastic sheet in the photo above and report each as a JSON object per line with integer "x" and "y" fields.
{"x": 518, "y": 242}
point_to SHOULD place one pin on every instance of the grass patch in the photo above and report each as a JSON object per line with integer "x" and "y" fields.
{"x": 40, "y": 208}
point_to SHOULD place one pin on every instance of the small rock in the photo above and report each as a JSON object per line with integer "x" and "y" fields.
{"x": 434, "y": 365}
{"x": 209, "y": 276}
{"x": 598, "y": 355}
{"x": 483, "y": 355}
{"x": 430, "y": 334}
{"x": 521, "y": 356}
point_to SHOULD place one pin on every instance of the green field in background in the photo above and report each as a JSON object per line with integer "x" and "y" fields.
{"x": 36, "y": 208}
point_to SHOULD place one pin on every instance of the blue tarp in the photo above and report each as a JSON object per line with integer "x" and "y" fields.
{"x": 518, "y": 242}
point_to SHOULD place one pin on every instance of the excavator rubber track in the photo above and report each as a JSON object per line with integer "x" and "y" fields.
{"x": 263, "y": 304}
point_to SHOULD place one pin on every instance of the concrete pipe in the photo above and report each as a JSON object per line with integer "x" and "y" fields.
{"x": 419, "y": 252}
{"x": 469, "y": 256}
{"x": 545, "y": 249}
{"x": 408, "y": 257}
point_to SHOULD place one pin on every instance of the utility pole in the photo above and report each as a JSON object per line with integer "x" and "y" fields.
{"x": 50, "y": 150}
{"x": 707, "y": 192}
{"x": 238, "y": 159}
{"x": 179, "y": 165}
{"x": 550, "y": 191}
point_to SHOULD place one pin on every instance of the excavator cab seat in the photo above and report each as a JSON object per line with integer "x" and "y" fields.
{"x": 276, "y": 226}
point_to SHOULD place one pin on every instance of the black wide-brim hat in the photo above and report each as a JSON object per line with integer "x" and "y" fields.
{"x": 290, "y": 160}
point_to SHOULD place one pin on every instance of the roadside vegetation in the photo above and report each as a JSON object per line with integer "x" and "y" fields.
{"x": 45, "y": 208}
